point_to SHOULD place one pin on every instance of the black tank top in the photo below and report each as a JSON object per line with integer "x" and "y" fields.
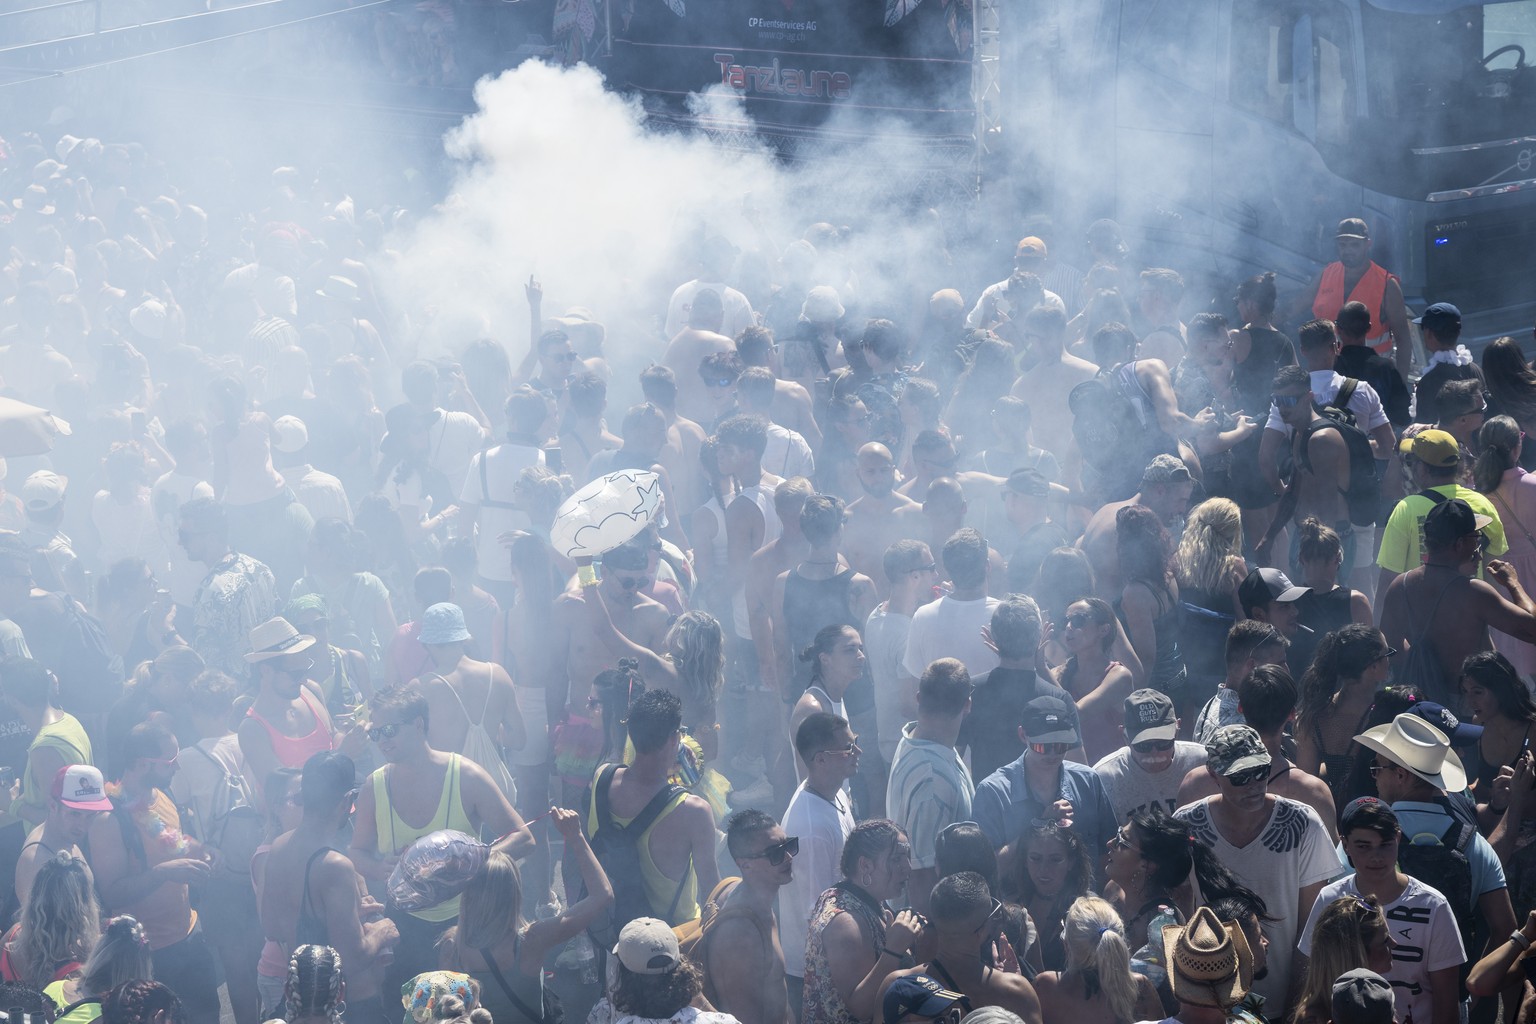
{"x": 811, "y": 605}
{"x": 312, "y": 929}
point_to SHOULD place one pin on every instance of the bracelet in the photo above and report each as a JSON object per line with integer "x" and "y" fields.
{"x": 888, "y": 951}
{"x": 1518, "y": 938}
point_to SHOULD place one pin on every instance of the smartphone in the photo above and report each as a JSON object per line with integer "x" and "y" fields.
{"x": 7, "y": 776}
{"x": 553, "y": 460}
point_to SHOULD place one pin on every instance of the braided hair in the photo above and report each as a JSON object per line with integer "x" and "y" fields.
{"x": 314, "y": 984}
{"x": 137, "y": 1002}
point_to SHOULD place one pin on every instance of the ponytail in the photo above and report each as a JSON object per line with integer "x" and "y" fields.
{"x": 1498, "y": 438}
{"x": 1096, "y": 948}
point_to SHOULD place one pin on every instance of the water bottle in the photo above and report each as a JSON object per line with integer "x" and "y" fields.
{"x": 585, "y": 957}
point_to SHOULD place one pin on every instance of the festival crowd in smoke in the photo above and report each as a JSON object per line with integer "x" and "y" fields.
{"x": 657, "y": 583}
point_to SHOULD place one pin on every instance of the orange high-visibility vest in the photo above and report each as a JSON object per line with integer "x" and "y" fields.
{"x": 1372, "y": 291}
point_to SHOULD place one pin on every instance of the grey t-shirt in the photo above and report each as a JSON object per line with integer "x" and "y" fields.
{"x": 1131, "y": 789}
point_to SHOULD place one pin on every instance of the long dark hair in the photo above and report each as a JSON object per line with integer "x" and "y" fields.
{"x": 1079, "y": 859}
{"x": 1343, "y": 654}
{"x": 1511, "y": 380}
{"x": 1144, "y": 546}
{"x": 1173, "y": 850}
{"x": 617, "y": 689}
{"x": 1493, "y": 672}
{"x": 1497, "y": 441}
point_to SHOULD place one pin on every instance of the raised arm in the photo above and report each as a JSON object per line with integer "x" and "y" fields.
{"x": 547, "y": 934}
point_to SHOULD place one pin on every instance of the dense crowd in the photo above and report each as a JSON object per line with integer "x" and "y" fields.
{"x": 1036, "y": 650}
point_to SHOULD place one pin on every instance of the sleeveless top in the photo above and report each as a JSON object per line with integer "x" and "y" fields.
{"x": 311, "y": 929}
{"x": 450, "y": 813}
{"x": 810, "y": 605}
{"x": 1204, "y": 619}
{"x": 293, "y": 751}
{"x": 659, "y": 889}
{"x": 1338, "y": 768}
{"x": 719, "y": 547}
{"x": 1371, "y": 290}
{"x": 762, "y": 497}
{"x": 1326, "y": 613}
{"x": 822, "y": 1003}
{"x": 339, "y": 688}
{"x": 480, "y": 746}
{"x": 493, "y": 996}
{"x": 1167, "y": 669}
{"x": 66, "y": 736}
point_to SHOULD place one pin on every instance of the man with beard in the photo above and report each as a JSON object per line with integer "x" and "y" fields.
{"x": 744, "y": 962}
{"x": 286, "y": 724}
{"x": 881, "y": 516}
{"x": 1355, "y": 277}
{"x": 143, "y": 865}
{"x": 79, "y": 795}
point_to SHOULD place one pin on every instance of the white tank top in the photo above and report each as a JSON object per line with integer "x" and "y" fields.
{"x": 762, "y": 497}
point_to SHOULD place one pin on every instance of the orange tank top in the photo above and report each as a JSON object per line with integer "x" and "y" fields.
{"x": 1371, "y": 290}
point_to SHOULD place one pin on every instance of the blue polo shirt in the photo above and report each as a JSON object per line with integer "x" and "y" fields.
{"x": 1004, "y": 807}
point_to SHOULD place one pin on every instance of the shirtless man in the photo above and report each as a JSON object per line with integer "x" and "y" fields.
{"x": 313, "y": 894}
{"x": 681, "y": 843}
{"x": 966, "y": 920}
{"x": 680, "y": 455}
{"x": 880, "y": 516}
{"x": 1166, "y": 485}
{"x": 79, "y": 795}
{"x": 1441, "y": 603}
{"x": 580, "y": 655}
{"x": 456, "y": 684}
{"x": 287, "y": 722}
{"x": 763, "y": 571}
{"x": 744, "y": 960}
{"x": 1320, "y": 476}
{"x": 934, "y": 456}
{"x": 791, "y": 402}
{"x": 1268, "y": 698}
{"x": 945, "y": 510}
{"x": 418, "y": 791}
{"x": 1050, "y": 379}
{"x": 700, "y": 338}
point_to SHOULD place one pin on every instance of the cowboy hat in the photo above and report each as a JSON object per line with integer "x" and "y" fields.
{"x": 275, "y": 638}
{"x": 1209, "y": 963}
{"x": 1419, "y": 747}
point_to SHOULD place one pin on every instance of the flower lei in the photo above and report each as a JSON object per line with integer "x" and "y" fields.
{"x": 172, "y": 840}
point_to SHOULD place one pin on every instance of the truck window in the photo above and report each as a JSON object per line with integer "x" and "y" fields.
{"x": 1260, "y": 80}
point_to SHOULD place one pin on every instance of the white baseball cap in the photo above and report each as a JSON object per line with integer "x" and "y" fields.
{"x": 80, "y": 788}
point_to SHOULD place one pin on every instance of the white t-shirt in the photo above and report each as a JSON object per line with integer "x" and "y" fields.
{"x": 1365, "y": 404}
{"x": 738, "y": 310}
{"x": 947, "y": 628}
{"x": 822, "y": 826}
{"x": 787, "y": 454}
{"x": 885, "y": 645}
{"x": 503, "y": 465}
{"x": 1132, "y": 789}
{"x": 1292, "y": 852}
{"x": 1424, "y": 928}
{"x": 453, "y": 441}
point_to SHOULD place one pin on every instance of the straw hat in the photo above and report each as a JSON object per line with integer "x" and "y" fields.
{"x": 1419, "y": 747}
{"x": 275, "y": 638}
{"x": 1209, "y": 963}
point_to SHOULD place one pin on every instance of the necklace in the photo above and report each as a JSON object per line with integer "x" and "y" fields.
{"x": 172, "y": 839}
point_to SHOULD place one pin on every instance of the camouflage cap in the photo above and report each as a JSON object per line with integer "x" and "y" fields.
{"x": 1235, "y": 748}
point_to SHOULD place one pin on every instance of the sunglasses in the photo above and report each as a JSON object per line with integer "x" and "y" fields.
{"x": 930, "y": 567}
{"x": 631, "y": 583}
{"x": 1081, "y": 619}
{"x": 1370, "y": 906}
{"x": 997, "y": 908}
{"x": 849, "y": 749}
{"x": 566, "y": 357}
{"x": 1122, "y": 841}
{"x": 1248, "y": 776}
{"x": 1050, "y": 748}
{"x": 1373, "y": 769}
{"x": 385, "y": 732}
{"x": 778, "y": 852}
{"x": 719, "y": 382}
{"x": 1286, "y": 401}
{"x": 1152, "y": 746}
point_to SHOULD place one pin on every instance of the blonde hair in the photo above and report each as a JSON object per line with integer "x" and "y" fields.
{"x": 61, "y": 920}
{"x": 1213, "y": 537}
{"x": 1096, "y": 948}
{"x": 1340, "y": 943}
{"x": 491, "y": 908}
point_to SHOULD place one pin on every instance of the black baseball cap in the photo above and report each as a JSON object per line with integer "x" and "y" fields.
{"x": 1439, "y": 314}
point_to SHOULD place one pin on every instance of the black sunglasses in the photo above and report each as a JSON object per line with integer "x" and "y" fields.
{"x": 1152, "y": 746}
{"x": 1248, "y": 776}
{"x": 997, "y": 908}
{"x": 777, "y": 853}
{"x": 385, "y": 732}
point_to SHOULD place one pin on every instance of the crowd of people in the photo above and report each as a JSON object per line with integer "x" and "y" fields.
{"x": 1040, "y": 650}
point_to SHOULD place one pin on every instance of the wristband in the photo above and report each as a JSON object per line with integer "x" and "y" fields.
{"x": 888, "y": 951}
{"x": 586, "y": 575}
{"x": 1519, "y": 939}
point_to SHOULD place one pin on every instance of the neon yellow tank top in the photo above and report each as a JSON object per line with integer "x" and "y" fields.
{"x": 659, "y": 889}
{"x": 450, "y": 813}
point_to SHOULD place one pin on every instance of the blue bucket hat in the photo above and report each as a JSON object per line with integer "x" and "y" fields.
{"x": 443, "y": 624}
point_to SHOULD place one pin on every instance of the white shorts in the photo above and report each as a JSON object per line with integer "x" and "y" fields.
{"x": 533, "y": 705}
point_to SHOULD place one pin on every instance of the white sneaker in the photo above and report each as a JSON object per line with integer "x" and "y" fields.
{"x": 759, "y": 794}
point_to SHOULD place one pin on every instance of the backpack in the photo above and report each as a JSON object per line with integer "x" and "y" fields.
{"x": 234, "y": 826}
{"x": 90, "y": 674}
{"x": 1442, "y": 862}
{"x": 617, "y": 848}
{"x": 1363, "y": 496}
{"x": 692, "y": 935}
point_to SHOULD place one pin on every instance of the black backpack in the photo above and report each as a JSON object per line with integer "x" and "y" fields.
{"x": 1363, "y": 496}
{"x": 1442, "y": 862}
{"x": 617, "y": 848}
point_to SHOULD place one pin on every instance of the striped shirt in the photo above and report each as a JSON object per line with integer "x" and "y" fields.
{"x": 929, "y": 788}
